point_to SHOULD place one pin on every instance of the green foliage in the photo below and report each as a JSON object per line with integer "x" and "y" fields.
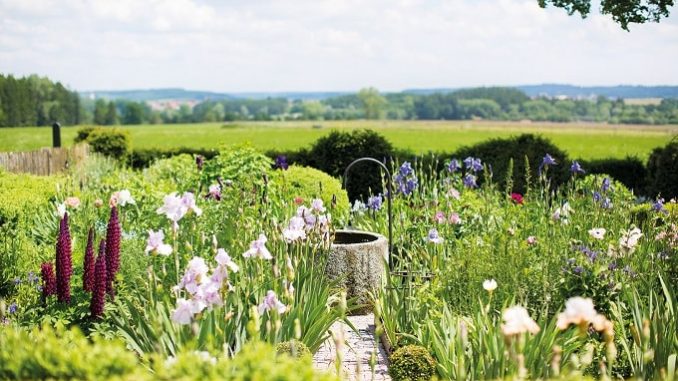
{"x": 239, "y": 164}
{"x": 411, "y": 363}
{"x": 334, "y": 152}
{"x": 61, "y": 354}
{"x": 623, "y": 12}
{"x": 106, "y": 141}
{"x": 293, "y": 348}
{"x": 142, "y": 158}
{"x": 499, "y": 153}
{"x": 630, "y": 171}
{"x": 309, "y": 183}
{"x": 662, "y": 173}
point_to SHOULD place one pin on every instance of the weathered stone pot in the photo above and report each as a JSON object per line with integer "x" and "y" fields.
{"x": 358, "y": 259}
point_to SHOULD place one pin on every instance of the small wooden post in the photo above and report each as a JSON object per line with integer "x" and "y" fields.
{"x": 56, "y": 135}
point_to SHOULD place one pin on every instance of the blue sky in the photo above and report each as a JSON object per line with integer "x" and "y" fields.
{"x": 313, "y": 45}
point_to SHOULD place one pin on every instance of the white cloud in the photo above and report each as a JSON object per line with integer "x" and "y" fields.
{"x": 326, "y": 45}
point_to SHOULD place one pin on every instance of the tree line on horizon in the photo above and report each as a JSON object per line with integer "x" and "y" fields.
{"x": 37, "y": 101}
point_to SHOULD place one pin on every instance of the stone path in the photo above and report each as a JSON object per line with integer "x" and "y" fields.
{"x": 357, "y": 351}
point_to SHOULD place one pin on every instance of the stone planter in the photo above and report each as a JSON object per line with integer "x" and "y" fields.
{"x": 358, "y": 260}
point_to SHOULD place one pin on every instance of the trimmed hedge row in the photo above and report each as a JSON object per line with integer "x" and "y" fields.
{"x": 334, "y": 152}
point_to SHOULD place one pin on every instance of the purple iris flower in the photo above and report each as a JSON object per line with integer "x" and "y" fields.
{"x": 606, "y": 185}
{"x": 658, "y": 206}
{"x": 473, "y": 164}
{"x": 12, "y": 308}
{"x": 32, "y": 278}
{"x": 281, "y": 162}
{"x": 470, "y": 181}
{"x": 545, "y": 162}
{"x": 576, "y": 168}
{"x": 453, "y": 166}
{"x": 578, "y": 270}
{"x": 406, "y": 169}
{"x": 405, "y": 180}
{"x": 612, "y": 266}
{"x": 597, "y": 197}
{"x": 607, "y": 203}
{"x": 374, "y": 202}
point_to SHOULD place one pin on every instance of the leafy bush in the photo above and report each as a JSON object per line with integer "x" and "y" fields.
{"x": 497, "y": 153}
{"x": 293, "y": 348}
{"x": 309, "y": 183}
{"x": 61, "y": 354}
{"x": 630, "y": 171}
{"x": 411, "y": 362}
{"x": 143, "y": 158}
{"x": 243, "y": 165}
{"x": 334, "y": 152}
{"x": 662, "y": 171}
{"x": 106, "y": 141}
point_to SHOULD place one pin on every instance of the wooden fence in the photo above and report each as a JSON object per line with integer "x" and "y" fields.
{"x": 45, "y": 161}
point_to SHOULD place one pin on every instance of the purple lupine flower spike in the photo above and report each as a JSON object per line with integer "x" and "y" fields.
{"x": 64, "y": 264}
{"x": 48, "y": 279}
{"x": 88, "y": 271}
{"x": 96, "y": 306}
{"x": 113, "y": 233}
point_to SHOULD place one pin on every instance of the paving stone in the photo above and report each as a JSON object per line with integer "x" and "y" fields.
{"x": 357, "y": 351}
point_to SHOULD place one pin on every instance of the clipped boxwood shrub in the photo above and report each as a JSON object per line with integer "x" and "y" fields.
{"x": 411, "y": 363}
{"x": 310, "y": 183}
{"x": 242, "y": 164}
{"x": 293, "y": 348}
{"x": 334, "y": 152}
{"x": 630, "y": 171}
{"x": 662, "y": 170}
{"x": 499, "y": 152}
{"x": 105, "y": 140}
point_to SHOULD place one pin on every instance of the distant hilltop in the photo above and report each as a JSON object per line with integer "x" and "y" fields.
{"x": 545, "y": 90}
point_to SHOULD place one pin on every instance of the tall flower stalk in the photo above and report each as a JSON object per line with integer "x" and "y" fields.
{"x": 113, "y": 233}
{"x": 100, "y": 284}
{"x": 89, "y": 262}
{"x": 64, "y": 262}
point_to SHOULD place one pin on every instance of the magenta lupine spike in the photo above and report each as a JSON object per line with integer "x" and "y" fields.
{"x": 112, "y": 249}
{"x": 96, "y": 306}
{"x": 48, "y": 279}
{"x": 64, "y": 264}
{"x": 88, "y": 270}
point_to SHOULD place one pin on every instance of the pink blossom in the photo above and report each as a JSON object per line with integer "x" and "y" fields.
{"x": 439, "y": 217}
{"x": 531, "y": 240}
{"x": 317, "y": 205}
{"x": 271, "y": 302}
{"x": 72, "y": 202}
{"x": 188, "y": 201}
{"x": 258, "y": 249}
{"x": 454, "y": 219}
{"x": 155, "y": 243}
{"x": 184, "y": 312}
{"x": 295, "y": 230}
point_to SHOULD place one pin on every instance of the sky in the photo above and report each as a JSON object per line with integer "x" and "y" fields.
{"x": 319, "y": 45}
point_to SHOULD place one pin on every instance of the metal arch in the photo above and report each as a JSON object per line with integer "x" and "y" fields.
{"x": 388, "y": 200}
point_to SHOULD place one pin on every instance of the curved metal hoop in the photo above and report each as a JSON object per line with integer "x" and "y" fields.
{"x": 388, "y": 200}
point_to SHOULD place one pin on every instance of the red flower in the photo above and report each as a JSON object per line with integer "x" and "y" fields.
{"x": 64, "y": 262}
{"x": 88, "y": 273}
{"x": 96, "y": 306}
{"x": 517, "y": 198}
{"x": 112, "y": 249}
{"x": 48, "y": 279}
{"x": 298, "y": 200}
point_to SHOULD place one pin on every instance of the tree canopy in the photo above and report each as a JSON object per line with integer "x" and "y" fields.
{"x": 623, "y": 12}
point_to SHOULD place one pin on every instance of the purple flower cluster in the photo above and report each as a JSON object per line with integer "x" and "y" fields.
{"x": 473, "y": 164}
{"x": 546, "y": 162}
{"x": 470, "y": 181}
{"x": 658, "y": 206}
{"x": 453, "y": 166}
{"x": 96, "y": 306}
{"x": 88, "y": 266}
{"x": 64, "y": 262}
{"x": 406, "y": 181}
{"x": 48, "y": 279}
{"x": 281, "y": 162}
{"x": 375, "y": 202}
{"x": 576, "y": 168}
{"x": 591, "y": 255}
{"x": 112, "y": 246}
{"x": 600, "y": 197}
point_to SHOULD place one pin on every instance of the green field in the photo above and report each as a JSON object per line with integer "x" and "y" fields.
{"x": 579, "y": 140}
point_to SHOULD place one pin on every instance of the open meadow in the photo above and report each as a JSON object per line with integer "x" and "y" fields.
{"x": 588, "y": 141}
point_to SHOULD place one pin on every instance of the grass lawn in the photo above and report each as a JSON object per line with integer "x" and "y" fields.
{"x": 578, "y": 139}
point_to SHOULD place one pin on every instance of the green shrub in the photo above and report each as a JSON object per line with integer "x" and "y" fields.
{"x": 293, "y": 348}
{"x": 662, "y": 170}
{"x": 630, "y": 171}
{"x": 143, "y": 158}
{"x": 334, "y": 152}
{"x": 499, "y": 152}
{"x": 106, "y": 141}
{"x": 412, "y": 363}
{"x": 61, "y": 354}
{"x": 242, "y": 164}
{"x": 309, "y": 183}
